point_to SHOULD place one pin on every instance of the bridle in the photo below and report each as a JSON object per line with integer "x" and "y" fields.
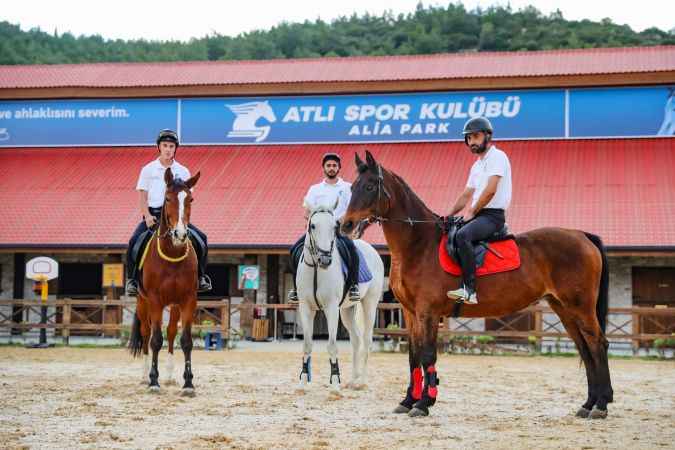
{"x": 313, "y": 248}
{"x": 165, "y": 221}
{"x": 316, "y": 252}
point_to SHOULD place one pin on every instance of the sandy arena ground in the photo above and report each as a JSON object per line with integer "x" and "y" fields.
{"x": 248, "y": 398}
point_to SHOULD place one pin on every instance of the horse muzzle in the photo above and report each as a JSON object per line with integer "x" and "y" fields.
{"x": 325, "y": 261}
{"x": 179, "y": 236}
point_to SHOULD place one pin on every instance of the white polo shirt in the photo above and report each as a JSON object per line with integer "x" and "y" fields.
{"x": 326, "y": 194}
{"x": 494, "y": 162}
{"x": 151, "y": 180}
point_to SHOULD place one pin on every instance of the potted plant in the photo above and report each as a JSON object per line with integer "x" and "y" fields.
{"x": 485, "y": 342}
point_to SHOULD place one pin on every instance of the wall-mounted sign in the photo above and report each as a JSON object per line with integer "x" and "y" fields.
{"x": 417, "y": 117}
{"x": 248, "y": 277}
{"x": 50, "y": 123}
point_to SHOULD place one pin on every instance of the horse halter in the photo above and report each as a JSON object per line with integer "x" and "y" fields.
{"x": 164, "y": 220}
{"x": 314, "y": 249}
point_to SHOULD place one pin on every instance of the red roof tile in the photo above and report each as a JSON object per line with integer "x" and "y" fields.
{"x": 355, "y": 69}
{"x": 251, "y": 196}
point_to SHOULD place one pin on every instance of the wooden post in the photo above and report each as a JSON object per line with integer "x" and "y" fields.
{"x": 635, "y": 326}
{"x": 538, "y": 321}
{"x": 67, "y": 308}
{"x": 225, "y": 319}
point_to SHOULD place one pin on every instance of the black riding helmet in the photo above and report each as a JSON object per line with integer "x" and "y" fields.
{"x": 331, "y": 156}
{"x": 477, "y": 124}
{"x": 169, "y": 136}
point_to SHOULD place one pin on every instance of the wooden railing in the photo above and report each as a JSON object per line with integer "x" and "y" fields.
{"x": 622, "y": 324}
{"x": 68, "y": 315}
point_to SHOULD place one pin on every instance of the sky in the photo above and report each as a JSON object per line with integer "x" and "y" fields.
{"x": 182, "y": 20}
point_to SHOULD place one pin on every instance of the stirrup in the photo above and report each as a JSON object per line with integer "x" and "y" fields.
{"x": 354, "y": 293}
{"x": 131, "y": 287}
{"x": 292, "y": 297}
{"x": 204, "y": 284}
{"x": 463, "y": 294}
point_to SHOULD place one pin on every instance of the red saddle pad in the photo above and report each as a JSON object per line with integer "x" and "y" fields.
{"x": 493, "y": 264}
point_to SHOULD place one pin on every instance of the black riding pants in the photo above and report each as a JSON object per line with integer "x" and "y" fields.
{"x": 486, "y": 222}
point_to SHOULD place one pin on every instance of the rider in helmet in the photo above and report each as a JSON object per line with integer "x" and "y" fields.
{"x": 332, "y": 188}
{"x": 151, "y": 188}
{"x": 483, "y": 203}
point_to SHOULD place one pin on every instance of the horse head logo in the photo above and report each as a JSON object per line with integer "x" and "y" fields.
{"x": 247, "y": 115}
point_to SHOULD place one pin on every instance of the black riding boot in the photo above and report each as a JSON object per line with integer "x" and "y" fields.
{"x": 132, "y": 282}
{"x": 295, "y": 254}
{"x": 467, "y": 261}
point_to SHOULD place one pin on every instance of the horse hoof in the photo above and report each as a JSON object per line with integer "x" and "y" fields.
{"x": 583, "y": 412}
{"x": 598, "y": 413}
{"x": 153, "y": 389}
{"x": 416, "y": 412}
{"x": 335, "y": 388}
{"x": 400, "y": 409}
{"x": 187, "y": 392}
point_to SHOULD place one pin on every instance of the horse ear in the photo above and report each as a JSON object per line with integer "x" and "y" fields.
{"x": 168, "y": 176}
{"x": 370, "y": 160}
{"x": 357, "y": 160}
{"x": 192, "y": 181}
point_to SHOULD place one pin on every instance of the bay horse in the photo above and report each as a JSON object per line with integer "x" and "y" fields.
{"x": 566, "y": 267}
{"x": 169, "y": 278}
{"x": 321, "y": 286}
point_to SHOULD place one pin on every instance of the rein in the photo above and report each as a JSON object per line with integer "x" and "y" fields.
{"x": 409, "y": 220}
{"x": 169, "y": 258}
{"x": 164, "y": 256}
{"x": 315, "y": 251}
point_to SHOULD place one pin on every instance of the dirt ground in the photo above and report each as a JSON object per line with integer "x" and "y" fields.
{"x": 91, "y": 398}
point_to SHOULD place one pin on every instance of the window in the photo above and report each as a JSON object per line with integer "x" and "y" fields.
{"x": 220, "y": 280}
{"x": 83, "y": 280}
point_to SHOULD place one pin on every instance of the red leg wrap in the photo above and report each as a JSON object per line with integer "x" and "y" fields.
{"x": 417, "y": 379}
{"x": 433, "y": 390}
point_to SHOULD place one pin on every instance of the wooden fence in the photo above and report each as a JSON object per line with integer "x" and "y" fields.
{"x": 67, "y": 315}
{"x": 640, "y": 325}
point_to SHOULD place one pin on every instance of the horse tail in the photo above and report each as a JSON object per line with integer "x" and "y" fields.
{"x": 602, "y": 305}
{"x": 136, "y": 339}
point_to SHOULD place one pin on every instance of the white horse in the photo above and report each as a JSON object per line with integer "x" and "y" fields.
{"x": 320, "y": 285}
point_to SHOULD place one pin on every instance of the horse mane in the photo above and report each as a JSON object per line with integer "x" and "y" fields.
{"x": 409, "y": 191}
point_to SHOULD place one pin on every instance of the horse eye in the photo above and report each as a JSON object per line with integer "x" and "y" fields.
{"x": 168, "y": 200}
{"x": 312, "y": 226}
{"x": 191, "y": 200}
{"x": 370, "y": 188}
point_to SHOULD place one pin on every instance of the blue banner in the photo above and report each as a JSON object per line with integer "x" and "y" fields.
{"x": 623, "y": 112}
{"x": 370, "y": 118}
{"x": 433, "y": 116}
{"x": 39, "y": 123}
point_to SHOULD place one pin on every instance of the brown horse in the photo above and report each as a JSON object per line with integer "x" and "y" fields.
{"x": 567, "y": 267}
{"x": 169, "y": 278}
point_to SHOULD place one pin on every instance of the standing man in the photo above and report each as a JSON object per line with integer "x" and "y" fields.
{"x": 332, "y": 188}
{"x": 151, "y": 188}
{"x": 489, "y": 189}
